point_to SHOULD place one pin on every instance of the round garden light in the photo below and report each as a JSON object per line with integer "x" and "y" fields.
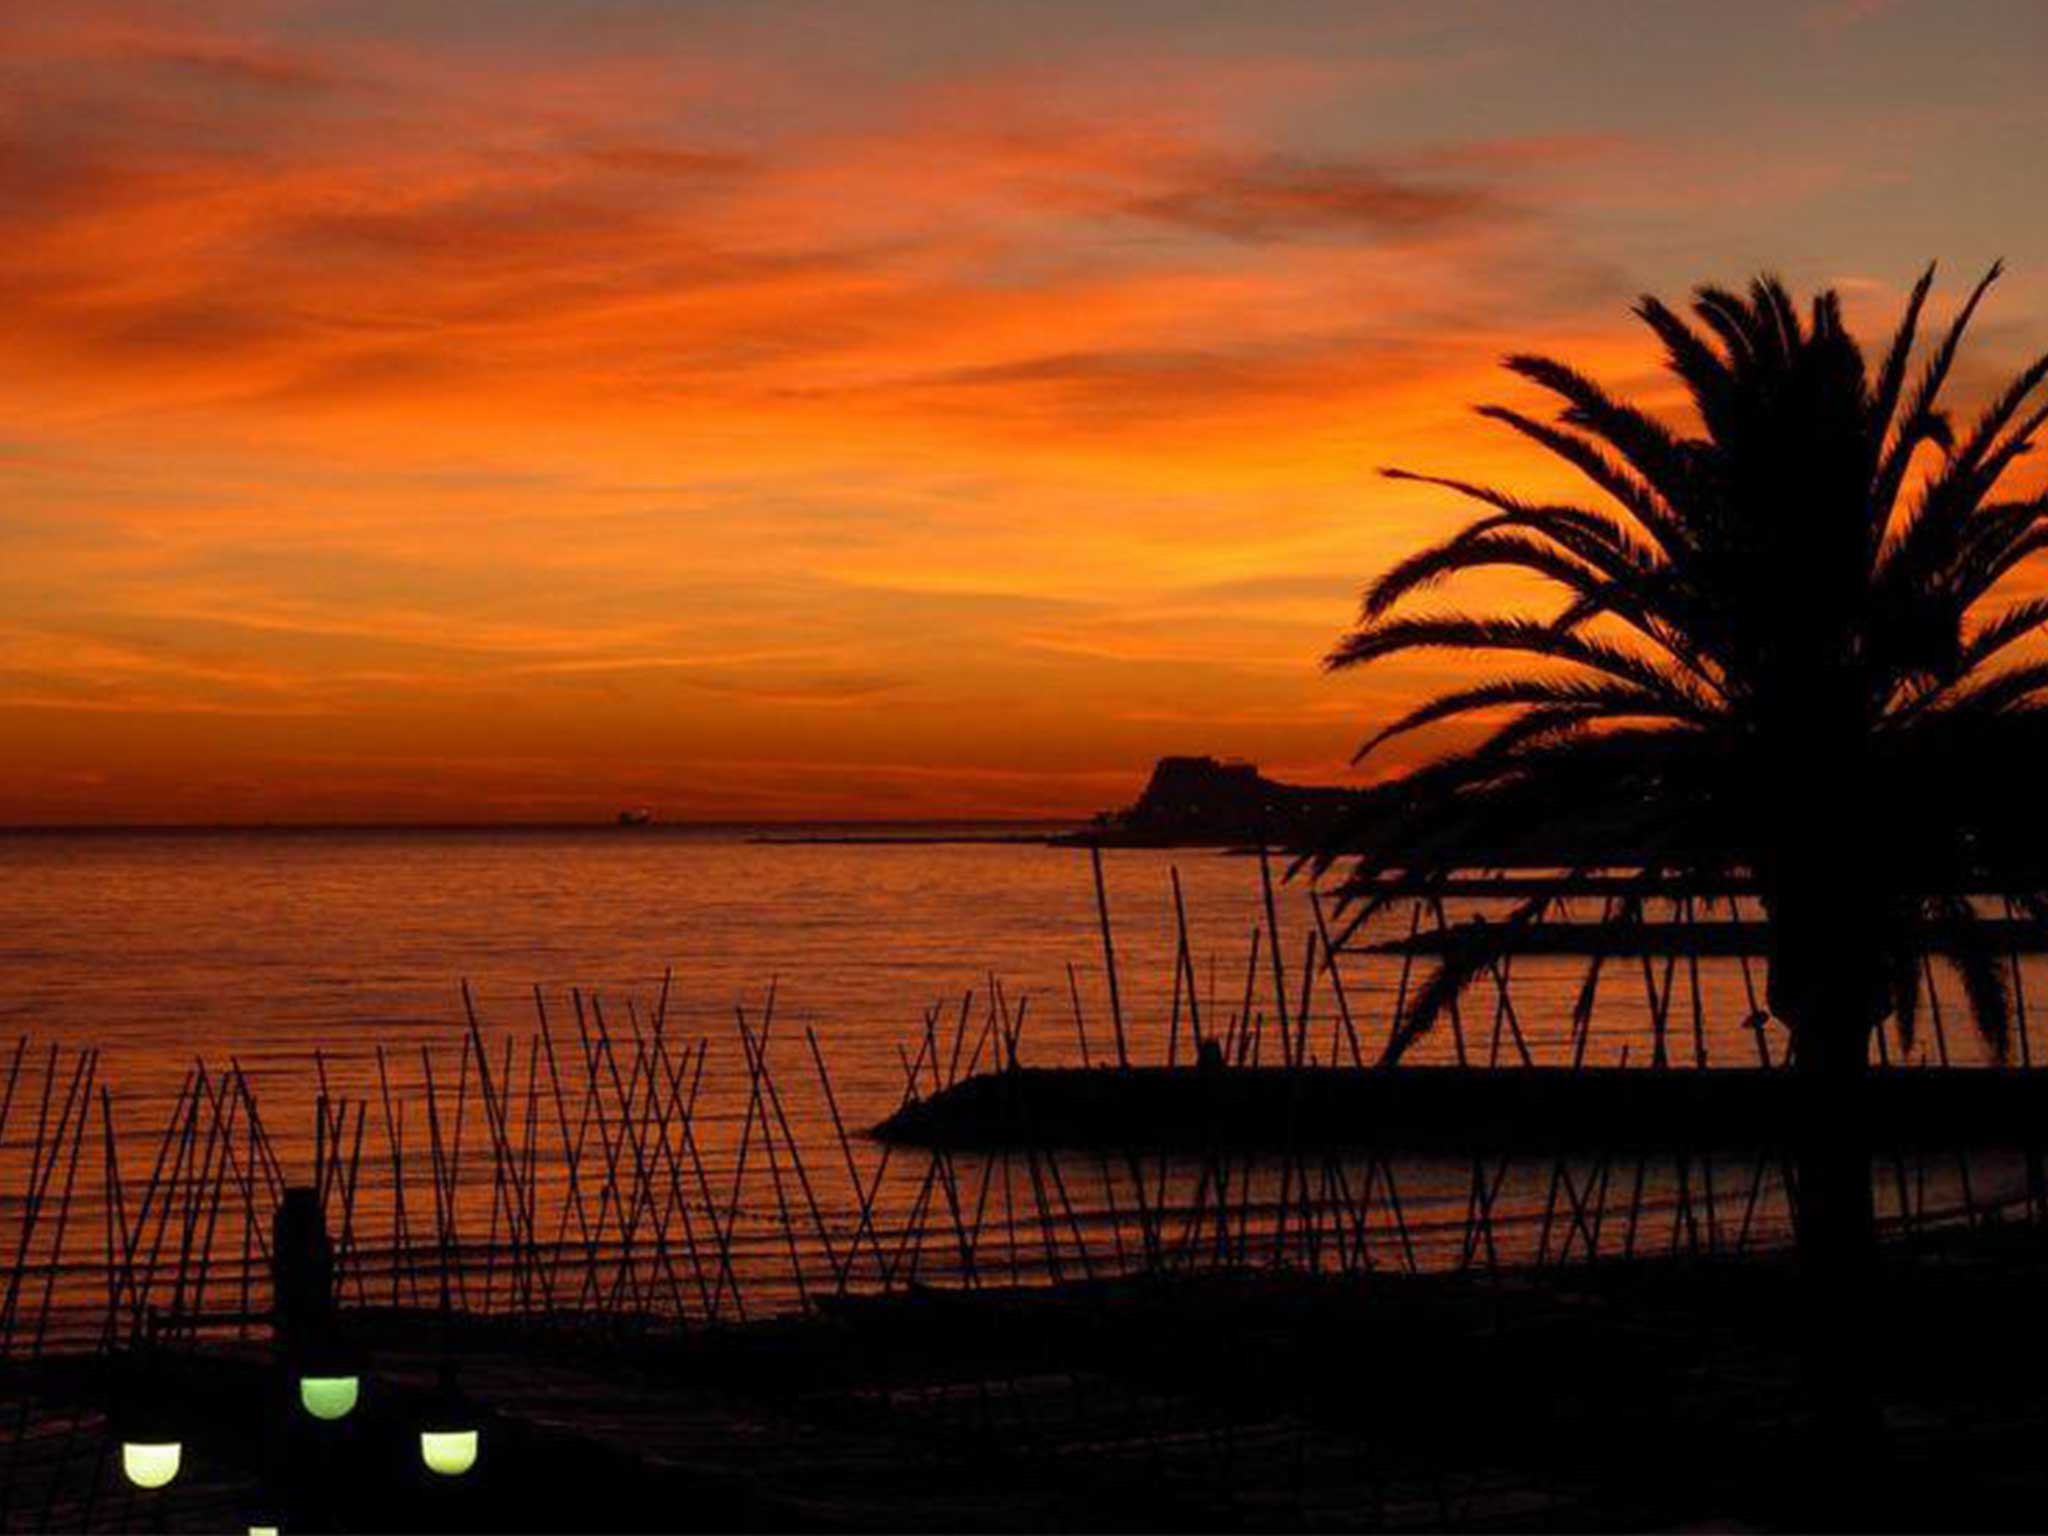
{"x": 329, "y": 1397}
{"x": 151, "y": 1464}
{"x": 450, "y": 1452}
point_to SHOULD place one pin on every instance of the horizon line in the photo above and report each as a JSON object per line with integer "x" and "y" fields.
{"x": 692, "y": 824}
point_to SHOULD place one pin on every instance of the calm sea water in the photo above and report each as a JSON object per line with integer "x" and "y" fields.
{"x": 273, "y": 944}
{"x": 275, "y": 948}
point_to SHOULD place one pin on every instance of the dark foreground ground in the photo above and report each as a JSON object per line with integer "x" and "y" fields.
{"x": 1449, "y": 1109}
{"x": 1656, "y": 1395}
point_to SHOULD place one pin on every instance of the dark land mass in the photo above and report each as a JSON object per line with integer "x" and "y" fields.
{"x": 1207, "y": 802}
{"x": 1619, "y": 1395}
{"x": 1211, "y": 802}
{"x": 1202, "y": 801}
{"x": 1703, "y": 938}
{"x": 1424, "y": 1108}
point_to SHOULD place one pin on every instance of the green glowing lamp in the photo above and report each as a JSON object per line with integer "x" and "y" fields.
{"x": 263, "y": 1530}
{"x": 329, "y": 1397}
{"x": 151, "y": 1463}
{"x": 449, "y": 1452}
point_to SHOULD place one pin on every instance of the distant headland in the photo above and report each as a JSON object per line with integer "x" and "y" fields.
{"x": 1227, "y": 803}
{"x": 1188, "y": 802}
{"x": 1209, "y": 801}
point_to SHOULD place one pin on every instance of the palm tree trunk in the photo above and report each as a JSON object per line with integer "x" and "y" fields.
{"x": 1837, "y": 1237}
{"x": 1825, "y": 988}
{"x": 1831, "y": 1150}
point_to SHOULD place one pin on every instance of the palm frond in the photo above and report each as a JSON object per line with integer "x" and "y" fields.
{"x": 1891, "y": 376}
{"x": 1994, "y": 693}
{"x": 1920, "y": 422}
{"x": 1979, "y": 964}
{"x": 1491, "y": 542}
{"x": 1985, "y": 569}
{"x": 1530, "y": 636}
{"x": 1728, "y": 316}
{"x": 1706, "y": 374}
{"x": 2008, "y": 628}
{"x": 1639, "y": 496}
{"x": 1653, "y": 449}
{"x": 1607, "y": 700}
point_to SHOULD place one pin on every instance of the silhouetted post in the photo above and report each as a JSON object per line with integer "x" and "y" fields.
{"x": 302, "y": 1313}
{"x": 302, "y": 1269}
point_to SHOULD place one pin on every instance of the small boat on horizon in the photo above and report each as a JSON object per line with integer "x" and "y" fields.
{"x": 635, "y": 816}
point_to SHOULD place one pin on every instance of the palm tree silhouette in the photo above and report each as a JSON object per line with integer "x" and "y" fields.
{"x": 1781, "y": 656}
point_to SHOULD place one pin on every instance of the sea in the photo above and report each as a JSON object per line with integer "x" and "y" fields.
{"x": 337, "y": 971}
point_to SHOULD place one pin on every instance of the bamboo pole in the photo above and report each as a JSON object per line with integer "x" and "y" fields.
{"x": 865, "y": 1200}
{"x": 1315, "y": 902}
{"x": 1273, "y": 955}
{"x": 1116, "y": 1005}
{"x": 1186, "y": 960}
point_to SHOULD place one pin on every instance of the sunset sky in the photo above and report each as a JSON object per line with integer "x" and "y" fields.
{"x": 496, "y": 409}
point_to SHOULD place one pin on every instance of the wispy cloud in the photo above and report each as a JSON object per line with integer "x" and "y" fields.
{"x": 897, "y": 389}
{"x": 1279, "y": 198}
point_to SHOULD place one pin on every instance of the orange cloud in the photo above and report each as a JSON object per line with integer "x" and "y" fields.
{"x": 520, "y": 420}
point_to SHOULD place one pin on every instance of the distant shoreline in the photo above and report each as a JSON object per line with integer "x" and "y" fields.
{"x": 1026, "y": 828}
{"x": 908, "y": 839}
{"x": 1004, "y": 832}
